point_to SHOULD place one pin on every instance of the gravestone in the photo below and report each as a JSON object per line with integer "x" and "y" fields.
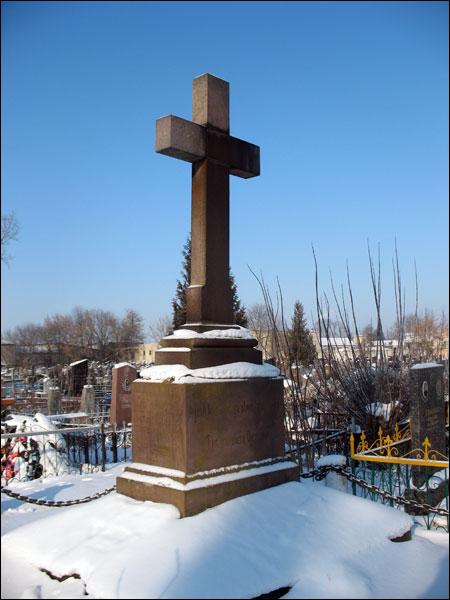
{"x": 123, "y": 375}
{"x": 427, "y": 419}
{"x": 46, "y": 385}
{"x": 53, "y": 400}
{"x": 195, "y": 444}
{"x": 87, "y": 402}
{"x": 78, "y": 373}
{"x": 427, "y": 405}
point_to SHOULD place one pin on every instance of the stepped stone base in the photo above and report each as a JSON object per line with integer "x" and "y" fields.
{"x": 196, "y": 445}
{"x": 199, "y": 494}
{"x": 196, "y": 353}
{"x": 197, "y": 358}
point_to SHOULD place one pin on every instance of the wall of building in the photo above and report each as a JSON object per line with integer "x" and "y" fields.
{"x": 146, "y": 353}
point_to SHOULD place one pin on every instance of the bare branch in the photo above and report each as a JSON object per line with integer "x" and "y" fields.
{"x": 10, "y": 232}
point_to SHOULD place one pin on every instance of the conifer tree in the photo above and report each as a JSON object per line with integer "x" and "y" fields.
{"x": 179, "y": 301}
{"x": 239, "y": 315}
{"x": 301, "y": 345}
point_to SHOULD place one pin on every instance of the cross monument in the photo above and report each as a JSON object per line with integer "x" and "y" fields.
{"x": 198, "y": 443}
{"x": 215, "y": 154}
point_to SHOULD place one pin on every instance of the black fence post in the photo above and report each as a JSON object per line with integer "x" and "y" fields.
{"x": 103, "y": 442}
{"x": 96, "y": 448}
{"x": 124, "y": 438}
{"x": 114, "y": 443}
{"x": 351, "y": 461}
{"x": 86, "y": 449}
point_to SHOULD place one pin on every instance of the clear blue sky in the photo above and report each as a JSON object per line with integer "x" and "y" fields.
{"x": 348, "y": 102}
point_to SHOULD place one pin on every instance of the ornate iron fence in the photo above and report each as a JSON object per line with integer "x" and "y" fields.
{"x": 27, "y": 455}
{"x": 419, "y": 475}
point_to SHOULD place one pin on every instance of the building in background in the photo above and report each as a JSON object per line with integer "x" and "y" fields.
{"x": 145, "y": 353}
{"x": 8, "y": 354}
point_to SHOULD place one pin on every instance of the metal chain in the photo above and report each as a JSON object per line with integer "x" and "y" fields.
{"x": 318, "y": 474}
{"x": 321, "y": 472}
{"x": 56, "y": 503}
{"x": 398, "y": 499}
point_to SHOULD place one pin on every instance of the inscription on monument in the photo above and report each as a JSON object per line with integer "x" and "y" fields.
{"x": 244, "y": 407}
{"x": 206, "y": 410}
{"x": 240, "y": 439}
{"x": 201, "y": 412}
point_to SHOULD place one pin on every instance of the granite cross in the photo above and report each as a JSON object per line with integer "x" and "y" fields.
{"x": 206, "y": 143}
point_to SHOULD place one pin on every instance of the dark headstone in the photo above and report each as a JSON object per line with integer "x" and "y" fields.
{"x": 78, "y": 374}
{"x": 428, "y": 405}
{"x": 427, "y": 415}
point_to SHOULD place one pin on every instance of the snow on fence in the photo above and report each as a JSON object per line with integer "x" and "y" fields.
{"x": 42, "y": 451}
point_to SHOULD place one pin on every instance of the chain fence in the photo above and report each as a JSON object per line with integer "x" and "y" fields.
{"x": 321, "y": 472}
{"x": 316, "y": 474}
{"x": 56, "y": 503}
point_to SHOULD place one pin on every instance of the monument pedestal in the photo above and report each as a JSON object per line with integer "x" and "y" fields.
{"x": 199, "y": 352}
{"x": 196, "y": 445}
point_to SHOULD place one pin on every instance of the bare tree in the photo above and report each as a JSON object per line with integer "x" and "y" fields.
{"x": 366, "y": 382}
{"x": 28, "y": 339}
{"x": 351, "y": 379}
{"x": 259, "y": 323}
{"x": 83, "y": 327}
{"x": 130, "y": 333}
{"x": 10, "y": 232}
{"x": 297, "y": 383}
{"x": 441, "y": 336}
{"x": 368, "y": 338}
{"x": 161, "y": 327}
{"x": 85, "y": 333}
{"x": 57, "y": 332}
{"x": 426, "y": 335}
{"x": 105, "y": 325}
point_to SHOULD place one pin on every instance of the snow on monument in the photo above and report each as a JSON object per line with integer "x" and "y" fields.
{"x": 217, "y": 433}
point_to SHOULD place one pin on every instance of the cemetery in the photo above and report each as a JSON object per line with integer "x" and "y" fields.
{"x": 207, "y": 422}
{"x": 241, "y": 453}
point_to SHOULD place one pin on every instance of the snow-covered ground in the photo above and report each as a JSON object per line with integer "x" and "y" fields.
{"x": 322, "y": 542}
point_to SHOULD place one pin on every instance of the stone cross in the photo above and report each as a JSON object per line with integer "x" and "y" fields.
{"x": 206, "y": 143}
{"x": 193, "y": 444}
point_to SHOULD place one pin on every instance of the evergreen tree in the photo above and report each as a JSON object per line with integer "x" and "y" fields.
{"x": 179, "y": 301}
{"x": 239, "y": 315}
{"x": 301, "y": 346}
